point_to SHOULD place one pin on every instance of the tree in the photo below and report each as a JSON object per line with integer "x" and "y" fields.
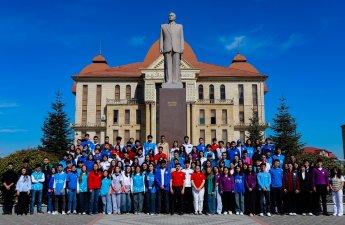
{"x": 285, "y": 130}
{"x": 255, "y": 131}
{"x": 56, "y": 128}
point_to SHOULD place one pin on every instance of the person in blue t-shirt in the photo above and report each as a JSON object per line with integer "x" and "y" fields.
{"x": 239, "y": 189}
{"x": 59, "y": 189}
{"x": 201, "y": 147}
{"x": 149, "y": 145}
{"x": 250, "y": 148}
{"x": 232, "y": 151}
{"x": 276, "y": 187}
{"x": 150, "y": 184}
{"x": 279, "y": 156}
{"x": 267, "y": 145}
{"x": 86, "y": 141}
{"x": 72, "y": 186}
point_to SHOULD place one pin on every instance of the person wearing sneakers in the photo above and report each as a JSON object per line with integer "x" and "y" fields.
{"x": 320, "y": 186}
{"x": 198, "y": 182}
{"x": 336, "y": 185}
{"x": 105, "y": 193}
{"x": 82, "y": 190}
{"x": 291, "y": 188}
{"x": 251, "y": 183}
{"x": 116, "y": 189}
{"x": 226, "y": 187}
{"x": 72, "y": 186}
{"x": 264, "y": 183}
{"x": 59, "y": 189}
{"x": 37, "y": 180}
{"x": 239, "y": 180}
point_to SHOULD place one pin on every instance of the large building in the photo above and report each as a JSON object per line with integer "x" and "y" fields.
{"x": 122, "y": 100}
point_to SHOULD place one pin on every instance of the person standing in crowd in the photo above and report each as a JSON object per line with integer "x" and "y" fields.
{"x": 187, "y": 146}
{"x": 94, "y": 185}
{"x": 291, "y": 188}
{"x": 149, "y": 145}
{"x": 37, "y": 180}
{"x": 59, "y": 190}
{"x": 320, "y": 186}
{"x": 198, "y": 182}
{"x": 105, "y": 193}
{"x": 276, "y": 187}
{"x": 264, "y": 184}
{"x": 150, "y": 184}
{"x": 251, "y": 183}
{"x": 217, "y": 177}
{"x": 50, "y": 191}
{"x": 177, "y": 185}
{"x": 201, "y": 147}
{"x": 72, "y": 186}
{"x": 226, "y": 187}
{"x": 306, "y": 189}
{"x": 336, "y": 185}
{"x": 210, "y": 185}
{"x": 250, "y": 148}
{"x": 267, "y": 146}
{"x": 126, "y": 202}
{"x": 188, "y": 201}
{"x": 116, "y": 190}
{"x": 239, "y": 190}
{"x": 164, "y": 144}
{"x": 138, "y": 190}
{"x": 23, "y": 188}
{"x": 46, "y": 167}
{"x": 82, "y": 190}
{"x": 278, "y": 155}
{"x": 9, "y": 179}
{"x": 162, "y": 178}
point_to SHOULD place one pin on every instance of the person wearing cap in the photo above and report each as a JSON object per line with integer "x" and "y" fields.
{"x": 188, "y": 201}
{"x": 267, "y": 146}
{"x": 37, "y": 180}
{"x": 59, "y": 189}
{"x": 264, "y": 185}
{"x": 149, "y": 145}
{"x": 9, "y": 179}
{"x": 162, "y": 177}
{"x": 177, "y": 186}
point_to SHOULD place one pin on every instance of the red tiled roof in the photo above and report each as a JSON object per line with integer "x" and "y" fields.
{"x": 314, "y": 150}
{"x": 128, "y": 70}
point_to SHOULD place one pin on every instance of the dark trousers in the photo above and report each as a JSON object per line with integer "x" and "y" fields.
{"x": 250, "y": 201}
{"x": 305, "y": 201}
{"x": 276, "y": 199}
{"x": 60, "y": 199}
{"x": 162, "y": 196}
{"x": 264, "y": 201}
{"x": 83, "y": 202}
{"x": 23, "y": 203}
{"x": 188, "y": 200}
{"x": 227, "y": 201}
{"x": 291, "y": 198}
{"x": 321, "y": 191}
{"x": 150, "y": 200}
{"x": 177, "y": 200}
{"x": 8, "y": 196}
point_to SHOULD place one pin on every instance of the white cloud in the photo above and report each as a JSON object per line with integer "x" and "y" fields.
{"x": 8, "y": 104}
{"x": 137, "y": 40}
{"x": 12, "y": 130}
{"x": 235, "y": 43}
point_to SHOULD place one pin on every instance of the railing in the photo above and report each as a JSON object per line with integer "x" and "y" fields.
{"x": 241, "y": 125}
{"x": 132, "y": 101}
{"x": 86, "y": 125}
{"x": 215, "y": 101}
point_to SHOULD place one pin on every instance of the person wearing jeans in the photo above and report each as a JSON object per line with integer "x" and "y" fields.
{"x": 239, "y": 180}
{"x": 105, "y": 193}
{"x": 59, "y": 189}
{"x": 94, "y": 184}
{"x": 50, "y": 190}
{"x": 264, "y": 183}
{"x": 198, "y": 182}
{"x": 210, "y": 185}
{"x": 37, "y": 180}
{"x": 162, "y": 177}
{"x": 217, "y": 191}
{"x": 138, "y": 190}
{"x": 116, "y": 189}
{"x": 72, "y": 186}
{"x": 82, "y": 190}
{"x": 126, "y": 202}
{"x": 150, "y": 184}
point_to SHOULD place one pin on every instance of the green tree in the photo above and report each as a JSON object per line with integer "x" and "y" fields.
{"x": 255, "y": 131}
{"x": 285, "y": 130}
{"x": 57, "y": 133}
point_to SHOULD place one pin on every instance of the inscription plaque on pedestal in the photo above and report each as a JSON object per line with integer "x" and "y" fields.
{"x": 172, "y": 114}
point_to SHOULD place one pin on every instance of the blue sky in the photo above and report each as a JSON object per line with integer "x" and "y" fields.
{"x": 298, "y": 44}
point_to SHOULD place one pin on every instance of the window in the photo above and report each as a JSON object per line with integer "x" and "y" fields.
{"x": 115, "y": 135}
{"x": 211, "y": 92}
{"x": 225, "y": 135}
{"x": 241, "y": 116}
{"x": 240, "y": 94}
{"x": 139, "y": 92}
{"x": 224, "y": 116}
{"x": 255, "y": 94}
{"x": 128, "y": 92}
{"x": 98, "y": 104}
{"x": 84, "y": 105}
{"x": 127, "y": 135}
{"x": 137, "y": 135}
{"x": 116, "y": 117}
{"x": 242, "y": 135}
{"x": 213, "y": 134}
{"x": 213, "y": 116}
{"x": 138, "y": 115}
{"x": 201, "y": 92}
{"x": 202, "y": 134}
{"x": 222, "y": 92}
{"x": 117, "y": 93}
{"x": 202, "y": 117}
{"x": 127, "y": 116}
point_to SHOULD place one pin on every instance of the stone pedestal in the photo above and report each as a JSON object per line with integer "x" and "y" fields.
{"x": 172, "y": 114}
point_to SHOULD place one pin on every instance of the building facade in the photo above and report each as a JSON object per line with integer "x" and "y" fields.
{"x": 122, "y": 101}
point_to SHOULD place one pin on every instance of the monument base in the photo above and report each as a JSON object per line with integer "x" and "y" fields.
{"x": 172, "y": 114}
{"x": 172, "y": 85}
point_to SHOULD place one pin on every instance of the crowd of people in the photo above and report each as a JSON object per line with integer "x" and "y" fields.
{"x": 218, "y": 178}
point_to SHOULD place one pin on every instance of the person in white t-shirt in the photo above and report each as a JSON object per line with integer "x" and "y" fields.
{"x": 188, "y": 197}
{"x": 188, "y": 147}
{"x": 336, "y": 185}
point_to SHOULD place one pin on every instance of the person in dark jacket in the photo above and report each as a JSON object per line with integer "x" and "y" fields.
{"x": 9, "y": 179}
{"x": 210, "y": 185}
{"x": 306, "y": 190}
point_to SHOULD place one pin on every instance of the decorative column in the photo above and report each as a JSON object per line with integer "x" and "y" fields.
{"x": 153, "y": 120}
{"x": 188, "y": 120}
{"x": 147, "y": 117}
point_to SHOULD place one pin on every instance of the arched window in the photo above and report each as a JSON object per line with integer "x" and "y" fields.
{"x": 128, "y": 92}
{"x": 222, "y": 92}
{"x": 117, "y": 93}
{"x": 201, "y": 92}
{"x": 211, "y": 92}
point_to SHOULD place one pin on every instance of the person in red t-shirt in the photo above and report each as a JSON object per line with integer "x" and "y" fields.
{"x": 214, "y": 145}
{"x": 177, "y": 185}
{"x": 94, "y": 185}
{"x": 198, "y": 182}
{"x": 160, "y": 154}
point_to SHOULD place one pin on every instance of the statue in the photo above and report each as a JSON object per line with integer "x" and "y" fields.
{"x": 171, "y": 45}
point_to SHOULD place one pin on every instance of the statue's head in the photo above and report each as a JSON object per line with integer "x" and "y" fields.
{"x": 172, "y": 16}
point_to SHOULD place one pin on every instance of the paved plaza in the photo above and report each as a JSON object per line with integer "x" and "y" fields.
{"x": 101, "y": 219}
